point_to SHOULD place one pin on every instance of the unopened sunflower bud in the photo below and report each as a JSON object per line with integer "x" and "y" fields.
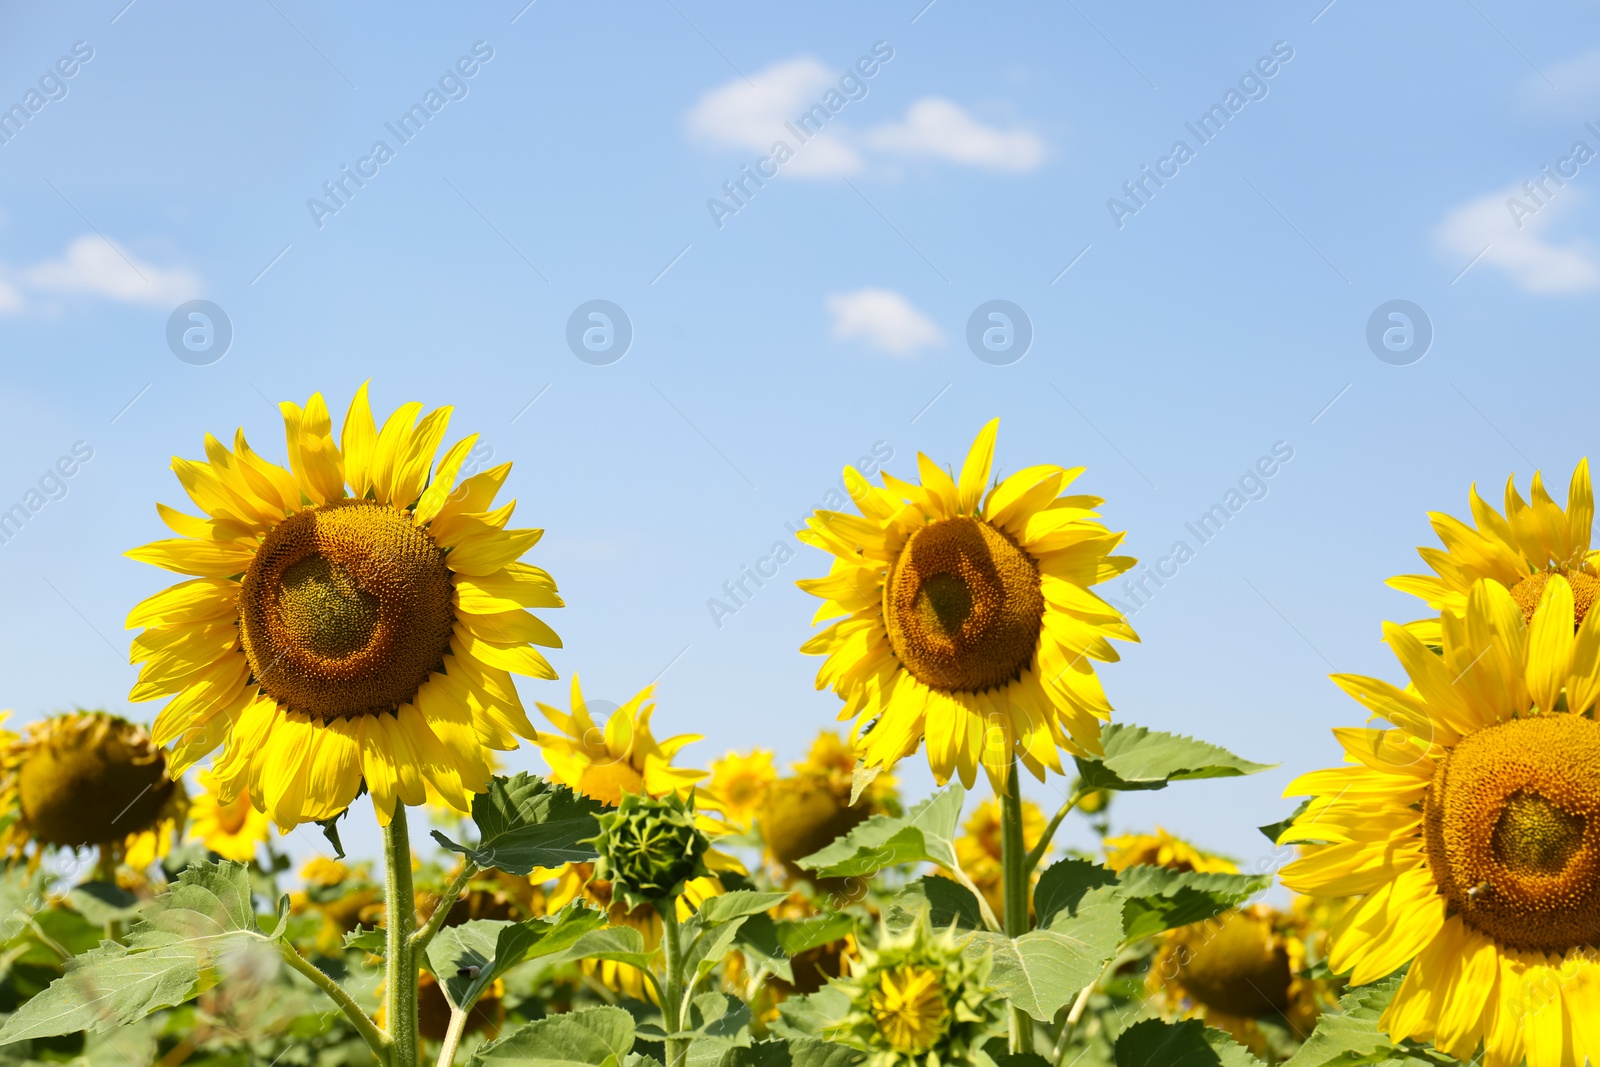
{"x": 649, "y": 847}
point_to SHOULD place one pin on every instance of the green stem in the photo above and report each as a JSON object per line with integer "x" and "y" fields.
{"x": 1038, "y": 851}
{"x": 376, "y": 1039}
{"x": 400, "y": 904}
{"x": 441, "y": 910}
{"x": 672, "y": 1002}
{"x": 452, "y": 1038}
{"x": 1013, "y": 863}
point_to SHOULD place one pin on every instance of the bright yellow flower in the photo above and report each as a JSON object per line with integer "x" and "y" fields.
{"x": 967, "y": 616}
{"x": 354, "y": 618}
{"x": 89, "y": 778}
{"x": 343, "y": 896}
{"x": 624, "y": 757}
{"x": 1469, "y": 833}
{"x": 1519, "y": 550}
{"x": 909, "y": 1008}
{"x": 740, "y": 783}
{"x": 1162, "y": 849}
{"x": 231, "y": 830}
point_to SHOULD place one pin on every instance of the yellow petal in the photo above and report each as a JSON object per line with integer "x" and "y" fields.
{"x": 975, "y": 470}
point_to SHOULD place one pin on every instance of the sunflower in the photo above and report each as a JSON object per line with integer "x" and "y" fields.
{"x": 343, "y": 896}
{"x": 1162, "y": 849}
{"x": 89, "y": 778}
{"x": 978, "y": 848}
{"x": 624, "y": 757}
{"x": 832, "y": 757}
{"x": 1469, "y": 833}
{"x": 968, "y": 618}
{"x": 917, "y": 999}
{"x": 1520, "y": 550}
{"x": 1237, "y": 968}
{"x": 355, "y": 618}
{"x": 741, "y": 784}
{"x": 231, "y": 830}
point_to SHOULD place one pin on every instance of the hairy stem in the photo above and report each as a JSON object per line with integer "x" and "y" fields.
{"x": 400, "y": 904}
{"x": 441, "y": 910}
{"x": 1038, "y": 851}
{"x": 672, "y": 1001}
{"x": 376, "y": 1039}
{"x": 452, "y": 1038}
{"x": 1014, "y": 866}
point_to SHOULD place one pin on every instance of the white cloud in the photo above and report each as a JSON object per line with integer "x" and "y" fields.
{"x": 944, "y": 130}
{"x": 750, "y": 116}
{"x": 92, "y": 266}
{"x": 1535, "y": 264}
{"x": 1577, "y": 82}
{"x": 10, "y": 300}
{"x": 884, "y": 318}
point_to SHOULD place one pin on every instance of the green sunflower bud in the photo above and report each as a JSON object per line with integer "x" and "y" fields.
{"x": 649, "y": 847}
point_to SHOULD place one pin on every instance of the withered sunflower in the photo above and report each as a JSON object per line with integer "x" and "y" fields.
{"x": 355, "y": 618}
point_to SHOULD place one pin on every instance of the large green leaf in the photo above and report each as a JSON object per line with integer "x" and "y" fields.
{"x": 1351, "y": 1034}
{"x": 770, "y": 944}
{"x": 1137, "y": 758}
{"x": 794, "y": 1052}
{"x": 1159, "y": 898}
{"x": 943, "y": 901}
{"x": 596, "y": 1037}
{"x": 621, "y": 944}
{"x": 526, "y": 822}
{"x": 170, "y": 956}
{"x": 1155, "y": 1043}
{"x": 926, "y": 834}
{"x": 1079, "y": 911}
{"x": 468, "y": 957}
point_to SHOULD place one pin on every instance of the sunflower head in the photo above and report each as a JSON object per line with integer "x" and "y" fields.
{"x": 1467, "y": 836}
{"x": 1519, "y": 550}
{"x": 355, "y": 618}
{"x": 804, "y": 814}
{"x": 232, "y": 830}
{"x": 835, "y": 758}
{"x": 649, "y": 847}
{"x": 916, "y": 998}
{"x": 967, "y": 618}
{"x": 1162, "y": 849}
{"x": 90, "y": 778}
{"x": 621, "y": 757}
{"x": 741, "y": 782}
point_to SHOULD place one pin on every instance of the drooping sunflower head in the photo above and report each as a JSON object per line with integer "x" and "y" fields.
{"x": 1519, "y": 550}
{"x": 805, "y": 813}
{"x": 1162, "y": 849}
{"x": 1237, "y": 968}
{"x": 232, "y": 830}
{"x": 354, "y": 618}
{"x": 88, "y": 778}
{"x": 741, "y": 782}
{"x": 621, "y": 757}
{"x": 833, "y": 757}
{"x": 967, "y": 619}
{"x": 1469, "y": 833}
{"x": 916, "y": 998}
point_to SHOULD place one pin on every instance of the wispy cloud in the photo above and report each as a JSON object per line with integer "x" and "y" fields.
{"x": 1519, "y": 243}
{"x": 92, "y": 266}
{"x": 941, "y": 129}
{"x": 884, "y": 319}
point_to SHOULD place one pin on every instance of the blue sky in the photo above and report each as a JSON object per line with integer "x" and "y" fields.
{"x": 1175, "y": 339}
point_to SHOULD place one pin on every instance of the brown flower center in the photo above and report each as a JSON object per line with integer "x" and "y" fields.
{"x": 1528, "y": 591}
{"x": 1512, "y": 827}
{"x": 346, "y": 610}
{"x": 1234, "y": 964}
{"x": 90, "y": 778}
{"x": 963, "y": 607}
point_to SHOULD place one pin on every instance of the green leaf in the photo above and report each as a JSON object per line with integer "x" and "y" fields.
{"x": 944, "y": 901}
{"x": 596, "y": 1037}
{"x": 622, "y": 944}
{"x": 526, "y": 822}
{"x": 468, "y": 957}
{"x": 926, "y": 834}
{"x": 170, "y": 956}
{"x": 794, "y": 1052}
{"x": 1137, "y": 758}
{"x": 330, "y": 830}
{"x": 103, "y": 902}
{"x": 811, "y": 1015}
{"x": 373, "y": 941}
{"x": 1274, "y": 830}
{"x": 1155, "y": 1043}
{"x": 1351, "y": 1034}
{"x": 737, "y": 905}
{"x": 1159, "y": 898}
{"x": 1080, "y": 929}
{"x": 802, "y": 935}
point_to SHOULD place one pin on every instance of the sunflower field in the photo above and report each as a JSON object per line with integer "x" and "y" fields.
{"x": 342, "y": 645}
